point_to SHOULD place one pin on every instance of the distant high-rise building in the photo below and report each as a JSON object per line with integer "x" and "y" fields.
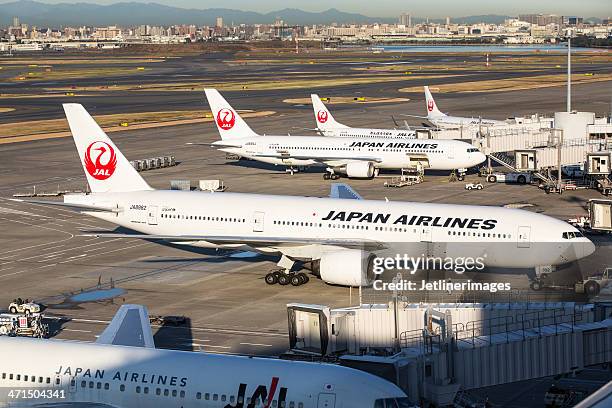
{"x": 16, "y": 22}
{"x": 405, "y": 19}
{"x": 541, "y": 19}
{"x": 447, "y": 21}
{"x": 219, "y": 22}
{"x": 573, "y": 20}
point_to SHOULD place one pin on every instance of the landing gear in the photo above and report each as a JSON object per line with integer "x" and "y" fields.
{"x": 291, "y": 170}
{"x": 330, "y": 175}
{"x": 536, "y": 285}
{"x": 283, "y": 275}
{"x": 284, "y": 279}
{"x": 272, "y": 278}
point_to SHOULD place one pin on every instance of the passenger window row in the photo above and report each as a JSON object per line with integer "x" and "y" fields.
{"x": 298, "y": 223}
{"x": 480, "y": 234}
{"x": 28, "y": 378}
{"x": 202, "y": 218}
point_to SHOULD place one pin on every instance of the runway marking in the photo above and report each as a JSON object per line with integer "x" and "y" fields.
{"x": 223, "y": 347}
{"x": 77, "y": 330}
{"x": 256, "y": 344}
{"x": 38, "y": 245}
{"x": 5, "y": 210}
{"x": 26, "y": 270}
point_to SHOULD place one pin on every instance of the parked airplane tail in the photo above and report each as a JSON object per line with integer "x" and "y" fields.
{"x": 323, "y": 117}
{"x": 228, "y": 121}
{"x": 106, "y": 168}
{"x": 432, "y": 108}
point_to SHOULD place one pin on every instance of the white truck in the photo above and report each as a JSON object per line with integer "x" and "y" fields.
{"x": 592, "y": 285}
{"x": 510, "y": 178}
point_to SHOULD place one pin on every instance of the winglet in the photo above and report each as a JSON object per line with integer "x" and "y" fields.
{"x": 228, "y": 121}
{"x": 344, "y": 191}
{"x": 129, "y": 327}
{"x": 323, "y": 117}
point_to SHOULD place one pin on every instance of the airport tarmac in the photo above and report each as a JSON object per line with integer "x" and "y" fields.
{"x": 230, "y": 308}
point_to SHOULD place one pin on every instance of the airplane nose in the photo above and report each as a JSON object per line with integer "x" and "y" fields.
{"x": 479, "y": 157}
{"x": 588, "y": 248}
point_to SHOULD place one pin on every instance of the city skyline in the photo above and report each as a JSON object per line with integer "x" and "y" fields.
{"x": 387, "y": 9}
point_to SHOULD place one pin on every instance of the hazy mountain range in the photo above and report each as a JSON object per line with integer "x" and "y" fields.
{"x": 132, "y": 13}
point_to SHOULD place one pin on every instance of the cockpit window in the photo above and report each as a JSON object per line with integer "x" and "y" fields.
{"x": 572, "y": 234}
{"x": 472, "y": 150}
{"x": 402, "y": 402}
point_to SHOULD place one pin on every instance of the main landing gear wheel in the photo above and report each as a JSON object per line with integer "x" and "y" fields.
{"x": 536, "y": 285}
{"x": 271, "y": 278}
{"x": 283, "y": 279}
{"x": 296, "y": 280}
{"x": 461, "y": 177}
{"x": 326, "y": 176}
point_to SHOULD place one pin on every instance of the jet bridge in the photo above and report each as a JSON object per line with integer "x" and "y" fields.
{"x": 446, "y": 348}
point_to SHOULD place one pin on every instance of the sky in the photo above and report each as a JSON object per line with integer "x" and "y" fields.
{"x": 392, "y": 8}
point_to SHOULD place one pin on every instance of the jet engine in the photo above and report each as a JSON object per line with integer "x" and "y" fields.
{"x": 347, "y": 267}
{"x": 360, "y": 169}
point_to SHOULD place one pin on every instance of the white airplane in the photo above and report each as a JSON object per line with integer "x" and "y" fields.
{"x": 340, "y": 235}
{"x": 123, "y": 369}
{"x": 443, "y": 120}
{"x": 328, "y": 126}
{"x": 351, "y": 156}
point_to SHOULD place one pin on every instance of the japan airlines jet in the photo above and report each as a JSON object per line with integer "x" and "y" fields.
{"x": 328, "y": 126}
{"x": 123, "y": 369}
{"x": 443, "y": 120}
{"x": 351, "y": 156}
{"x": 340, "y": 235}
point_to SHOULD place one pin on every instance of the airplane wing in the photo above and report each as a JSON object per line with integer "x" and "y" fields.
{"x": 252, "y": 241}
{"x": 74, "y": 206}
{"x": 341, "y": 190}
{"x": 129, "y": 327}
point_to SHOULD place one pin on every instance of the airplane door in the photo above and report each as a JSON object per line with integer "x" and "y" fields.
{"x": 450, "y": 153}
{"x": 326, "y": 400}
{"x": 524, "y": 237}
{"x": 152, "y": 215}
{"x": 425, "y": 234}
{"x": 258, "y": 221}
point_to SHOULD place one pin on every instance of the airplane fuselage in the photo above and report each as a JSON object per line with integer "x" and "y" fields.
{"x": 383, "y": 153}
{"x": 36, "y": 371}
{"x": 367, "y": 133}
{"x": 508, "y": 238}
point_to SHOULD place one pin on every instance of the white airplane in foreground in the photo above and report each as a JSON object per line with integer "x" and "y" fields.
{"x": 328, "y": 126}
{"x": 123, "y": 369}
{"x": 443, "y": 120}
{"x": 351, "y": 156}
{"x": 341, "y": 234}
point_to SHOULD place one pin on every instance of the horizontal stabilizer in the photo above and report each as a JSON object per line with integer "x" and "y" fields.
{"x": 341, "y": 190}
{"x": 74, "y": 206}
{"x": 129, "y": 327}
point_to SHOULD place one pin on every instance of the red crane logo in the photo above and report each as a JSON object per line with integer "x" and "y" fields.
{"x": 226, "y": 119}
{"x": 100, "y": 160}
{"x": 322, "y": 116}
{"x": 430, "y": 105}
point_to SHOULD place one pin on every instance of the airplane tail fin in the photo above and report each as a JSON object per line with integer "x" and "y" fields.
{"x": 432, "y": 108}
{"x": 229, "y": 123}
{"x": 323, "y": 117}
{"x": 106, "y": 168}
